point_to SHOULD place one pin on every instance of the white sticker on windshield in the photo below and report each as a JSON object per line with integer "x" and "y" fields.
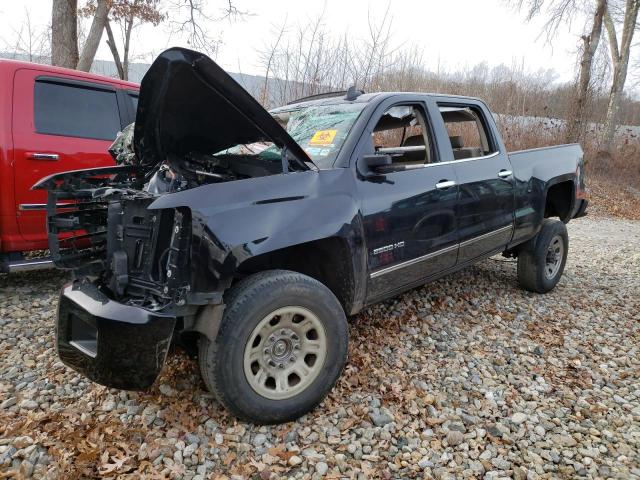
{"x": 313, "y": 150}
{"x": 318, "y": 152}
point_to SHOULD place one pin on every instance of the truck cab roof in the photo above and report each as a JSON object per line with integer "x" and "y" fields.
{"x": 8, "y": 65}
{"x": 339, "y": 98}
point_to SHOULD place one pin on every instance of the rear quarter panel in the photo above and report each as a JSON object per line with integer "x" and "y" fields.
{"x": 535, "y": 171}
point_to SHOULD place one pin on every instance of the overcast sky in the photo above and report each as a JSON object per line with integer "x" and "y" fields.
{"x": 453, "y": 33}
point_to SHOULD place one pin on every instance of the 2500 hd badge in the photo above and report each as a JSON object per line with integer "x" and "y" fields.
{"x": 388, "y": 248}
{"x": 223, "y": 228}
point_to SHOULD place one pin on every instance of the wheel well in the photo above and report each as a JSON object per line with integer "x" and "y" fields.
{"x": 327, "y": 260}
{"x": 559, "y": 201}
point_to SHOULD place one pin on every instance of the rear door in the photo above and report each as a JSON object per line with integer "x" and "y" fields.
{"x": 485, "y": 205}
{"x": 59, "y": 124}
{"x": 409, "y": 218}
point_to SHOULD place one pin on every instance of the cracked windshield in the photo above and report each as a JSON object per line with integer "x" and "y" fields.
{"x": 320, "y": 130}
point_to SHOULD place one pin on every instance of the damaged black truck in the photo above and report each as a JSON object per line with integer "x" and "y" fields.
{"x": 254, "y": 234}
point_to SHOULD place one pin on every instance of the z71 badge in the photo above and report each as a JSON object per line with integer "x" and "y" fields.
{"x": 388, "y": 248}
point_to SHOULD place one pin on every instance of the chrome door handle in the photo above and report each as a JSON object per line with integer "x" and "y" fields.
{"x": 445, "y": 184}
{"x": 44, "y": 156}
{"x": 505, "y": 173}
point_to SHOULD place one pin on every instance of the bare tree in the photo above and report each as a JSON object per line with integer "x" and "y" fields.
{"x": 267, "y": 58}
{"x": 95, "y": 34}
{"x": 30, "y": 41}
{"x": 127, "y": 15}
{"x": 577, "y": 118}
{"x": 185, "y": 18}
{"x": 377, "y": 51}
{"x": 191, "y": 17}
{"x": 309, "y": 60}
{"x": 559, "y": 12}
{"x": 64, "y": 33}
{"x": 620, "y": 60}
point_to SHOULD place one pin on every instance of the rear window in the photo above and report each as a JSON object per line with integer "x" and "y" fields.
{"x": 75, "y": 111}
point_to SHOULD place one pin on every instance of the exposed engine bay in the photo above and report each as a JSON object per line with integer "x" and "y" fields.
{"x": 194, "y": 127}
{"x": 106, "y": 231}
{"x": 200, "y": 169}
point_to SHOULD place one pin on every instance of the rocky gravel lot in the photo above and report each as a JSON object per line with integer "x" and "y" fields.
{"x": 468, "y": 377}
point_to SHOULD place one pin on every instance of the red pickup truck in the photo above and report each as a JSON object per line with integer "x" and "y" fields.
{"x": 51, "y": 120}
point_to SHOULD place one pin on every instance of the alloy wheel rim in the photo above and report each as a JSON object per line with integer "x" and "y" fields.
{"x": 285, "y": 353}
{"x": 553, "y": 259}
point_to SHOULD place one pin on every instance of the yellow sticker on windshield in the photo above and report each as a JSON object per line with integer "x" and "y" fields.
{"x": 323, "y": 137}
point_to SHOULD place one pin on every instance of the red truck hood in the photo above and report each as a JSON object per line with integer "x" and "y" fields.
{"x": 189, "y": 104}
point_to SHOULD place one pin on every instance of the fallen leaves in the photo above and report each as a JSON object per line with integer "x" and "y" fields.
{"x": 470, "y": 345}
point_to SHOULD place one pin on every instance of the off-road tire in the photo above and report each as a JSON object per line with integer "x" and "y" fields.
{"x": 247, "y": 303}
{"x": 532, "y": 259}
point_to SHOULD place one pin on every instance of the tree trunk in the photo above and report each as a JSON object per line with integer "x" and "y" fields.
{"x": 114, "y": 50}
{"x": 576, "y": 120}
{"x": 127, "y": 41}
{"x": 64, "y": 33}
{"x": 620, "y": 60}
{"x": 95, "y": 34}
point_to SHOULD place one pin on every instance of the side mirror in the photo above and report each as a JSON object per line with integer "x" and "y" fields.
{"x": 373, "y": 167}
{"x": 375, "y": 162}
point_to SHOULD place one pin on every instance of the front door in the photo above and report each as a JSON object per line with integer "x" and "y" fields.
{"x": 409, "y": 217}
{"x": 486, "y": 193}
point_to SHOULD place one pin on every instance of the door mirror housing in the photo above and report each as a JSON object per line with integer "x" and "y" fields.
{"x": 373, "y": 168}
{"x": 376, "y": 162}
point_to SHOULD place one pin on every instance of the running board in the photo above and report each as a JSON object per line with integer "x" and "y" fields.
{"x": 13, "y": 266}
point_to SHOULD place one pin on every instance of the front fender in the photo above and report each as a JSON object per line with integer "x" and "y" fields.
{"x": 235, "y": 221}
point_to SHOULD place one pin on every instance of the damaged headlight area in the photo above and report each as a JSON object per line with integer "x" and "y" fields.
{"x": 101, "y": 228}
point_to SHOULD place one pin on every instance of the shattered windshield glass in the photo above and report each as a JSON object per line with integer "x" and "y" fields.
{"x": 320, "y": 130}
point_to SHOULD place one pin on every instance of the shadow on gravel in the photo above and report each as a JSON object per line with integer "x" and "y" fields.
{"x": 36, "y": 280}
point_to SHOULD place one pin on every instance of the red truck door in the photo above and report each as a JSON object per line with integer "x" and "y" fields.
{"x": 59, "y": 124}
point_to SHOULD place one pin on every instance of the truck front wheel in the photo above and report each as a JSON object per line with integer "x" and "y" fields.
{"x": 541, "y": 263}
{"x": 280, "y": 348}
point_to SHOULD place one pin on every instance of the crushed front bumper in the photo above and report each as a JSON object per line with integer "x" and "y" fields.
{"x": 116, "y": 345}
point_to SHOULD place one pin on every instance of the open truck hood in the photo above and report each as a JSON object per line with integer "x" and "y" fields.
{"x": 189, "y": 104}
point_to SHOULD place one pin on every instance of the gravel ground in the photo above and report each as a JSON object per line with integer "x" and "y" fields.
{"x": 467, "y": 377}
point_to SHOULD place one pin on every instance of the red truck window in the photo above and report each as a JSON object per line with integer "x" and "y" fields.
{"x": 134, "y": 101}
{"x": 75, "y": 111}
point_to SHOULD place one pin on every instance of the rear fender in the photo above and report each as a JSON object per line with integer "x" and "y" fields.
{"x": 569, "y": 177}
{"x": 535, "y": 171}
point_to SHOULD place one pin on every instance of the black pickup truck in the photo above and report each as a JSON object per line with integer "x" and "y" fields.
{"x": 253, "y": 235}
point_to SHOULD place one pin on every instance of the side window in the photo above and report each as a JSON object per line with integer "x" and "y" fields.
{"x": 75, "y": 111}
{"x": 134, "y": 101}
{"x": 403, "y": 132}
{"x": 467, "y": 131}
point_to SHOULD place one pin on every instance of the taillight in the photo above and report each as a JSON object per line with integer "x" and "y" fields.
{"x": 581, "y": 191}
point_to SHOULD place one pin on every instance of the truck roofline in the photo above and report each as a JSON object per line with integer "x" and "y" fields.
{"x": 370, "y": 97}
{"x": 10, "y": 64}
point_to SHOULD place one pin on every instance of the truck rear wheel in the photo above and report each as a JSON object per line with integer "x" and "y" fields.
{"x": 280, "y": 348}
{"x": 541, "y": 264}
